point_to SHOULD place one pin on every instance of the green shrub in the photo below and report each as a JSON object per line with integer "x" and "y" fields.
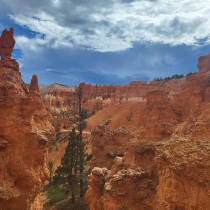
{"x": 55, "y": 195}
{"x": 81, "y": 205}
{"x": 56, "y": 198}
{"x": 45, "y": 188}
{"x": 58, "y": 136}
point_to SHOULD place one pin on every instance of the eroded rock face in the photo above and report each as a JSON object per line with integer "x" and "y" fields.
{"x": 166, "y": 165}
{"x": 130, "y": 184}
{"x": 184, "y": 178}
{"x": 158, "y": 119}
{"x": 167, "y": 175}
{"x": 25, "y": 136}
{"x": 98, "y": 96}
{"x": 107, "y": 144}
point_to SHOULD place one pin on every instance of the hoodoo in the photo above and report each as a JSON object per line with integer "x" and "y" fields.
{"x": 7, "y": 42}
{"x": 25, "y": 135}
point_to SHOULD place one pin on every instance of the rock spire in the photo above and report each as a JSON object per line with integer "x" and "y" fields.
{"x": 7, "y": 42}
{"x": 34, "y": 84}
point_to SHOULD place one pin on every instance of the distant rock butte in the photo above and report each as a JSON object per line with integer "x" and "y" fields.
{"x": 25, "y": 135}
{"x": 165, "y": 161}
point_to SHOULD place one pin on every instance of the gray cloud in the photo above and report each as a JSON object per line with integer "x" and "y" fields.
{"x": 131, "y": 1}
{"x": 113, "y": 41}
{"x": 110, "y": 26}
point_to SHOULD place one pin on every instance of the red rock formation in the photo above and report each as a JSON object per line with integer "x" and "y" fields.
{"x": 7, "y": 43}
{"x": 98, "y": 96}
{"x": 130, "y": 184}
{"x": 166, "y": 165}
{"x": 107, "y": 144}
{"x": 25, "y": 136}
{"x": 184, "y": 180}
{"x": 34, "y": 84}
{"x": 204, "y": 64}
{"x": 158, "y": 120}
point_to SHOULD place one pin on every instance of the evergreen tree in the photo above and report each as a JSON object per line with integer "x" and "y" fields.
{"x": 51, "y": 170}
{"x": 78, "y": 119}
{"x": 69, "y": 170}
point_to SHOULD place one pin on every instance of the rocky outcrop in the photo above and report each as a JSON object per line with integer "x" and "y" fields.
{"x": 130, "y": 184}
{"x": 107, "y": 144}
{"x": 34, "y": 84}
{"x": 204, "y": 64}
{"x": 184, "y": 178}
{"x": 7, "y": 42}
{"x": 97, "y": 96}
{"x": 166, "y": 165}
{"x": 158, "y": 119}
{"x": 57, "y": 95}
{"x": 25, "y": 136}
{"x": 154, "y": 176}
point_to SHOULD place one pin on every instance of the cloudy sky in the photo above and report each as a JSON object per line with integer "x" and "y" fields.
{"x": 106, "y": 41}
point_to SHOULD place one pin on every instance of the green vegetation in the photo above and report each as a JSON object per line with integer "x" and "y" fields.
{"x": 62, "y": 112}
{"x": 58, "y": 137}
{"x": 62, "y": 85}
{"x": 85, "y": 114}
{"x": 175, "y": 76}
{"x": 51, "y": 171}
{"x": 129, "y": 117}
{"x": 69, "y": 170}
{"x": 46, "y": 187}
{"x": 67, "y": 176}
{"x": 79, "y": 204}
{"x": 55, "y": 194}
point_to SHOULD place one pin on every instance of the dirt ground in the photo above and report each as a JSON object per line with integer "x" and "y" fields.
{"x": 66, "y": 204}
{"x": 119, "y": 115}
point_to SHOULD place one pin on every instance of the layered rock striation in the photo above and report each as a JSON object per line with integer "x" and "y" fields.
{"x": 97, "y": 96}
{"x": 25, "y": 136}
{"x": 166, "y": 163}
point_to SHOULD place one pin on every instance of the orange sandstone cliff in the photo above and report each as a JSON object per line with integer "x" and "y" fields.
{"x": 97, "y": 96}
{"x": 166, "y": 161}
{"x": 25, "y": 135}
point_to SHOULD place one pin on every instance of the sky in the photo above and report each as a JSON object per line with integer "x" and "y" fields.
{"x": 107, "y": 42}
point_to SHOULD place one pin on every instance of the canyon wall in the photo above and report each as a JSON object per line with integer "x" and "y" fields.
{"x": 25, "y": 135}
{"x": 107, "y": 144}
{"x": 97, "y": 96}
{"x": 165, "y": 165}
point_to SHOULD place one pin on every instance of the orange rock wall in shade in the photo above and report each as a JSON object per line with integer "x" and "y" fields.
{"x": 166, "y": 165}
{"x": 107, "y": 144}
{"x": 98, "y": 96}
{"x": 25, "y": 136}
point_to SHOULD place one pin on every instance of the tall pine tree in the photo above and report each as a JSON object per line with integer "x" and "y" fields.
{"x": 78, "y": 119}
{"x": 69, "y": 170}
